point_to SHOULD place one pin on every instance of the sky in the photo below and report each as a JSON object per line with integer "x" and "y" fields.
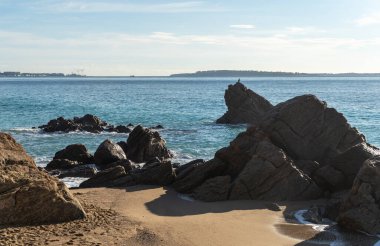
{"x": 147, "y": 37}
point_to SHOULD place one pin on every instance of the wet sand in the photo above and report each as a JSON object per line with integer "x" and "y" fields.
{"x": 149, "y": 215}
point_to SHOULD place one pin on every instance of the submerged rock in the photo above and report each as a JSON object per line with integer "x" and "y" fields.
{"x": 29, "y": 196}
{"x": 244, "y": 106}
{"x": 144, "y": 144}
{"x": 87, "y": 123}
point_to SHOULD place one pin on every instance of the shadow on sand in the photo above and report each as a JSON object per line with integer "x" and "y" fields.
{"x": 172, "y": 203}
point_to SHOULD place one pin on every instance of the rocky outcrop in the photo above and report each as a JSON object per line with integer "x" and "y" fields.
{"x": 87, "y": 123}
{"x": 30, "y": 196}
{"x": 144, "y": 144}
{"x": 361, "y": 210}
{"x": 244, "y": 106}
{"x": 75, "y": 152}
{"x": 154, "y": 172}
{"x": 108, "y": 152}
{"x": 70, "y": 157}
{"x": 111, "y": 177}
{"x": 297, "y": 150}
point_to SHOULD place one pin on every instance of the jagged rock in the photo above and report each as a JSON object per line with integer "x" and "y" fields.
{"x": 195, "y": 174}
{"x": 75, "y": 152}
{"x": 127, "y": 164}
{"x": 361, "y": 210}
{"x": 61, "y": 164}
{"x": 83, "y": 171}
{"x": 213, "y": 189}
{"x": 108, "y": 152}
{"x": 244, "y": 105}
{"x": 269, "y": 174}
{"x": 154, "y": 172}
{"x": 306, "y": 129}
{"x": 188, "y": 166}
{"x": 87, "y": 123}
{"x": 144, "y": 144}
{"x": 28, "y": 195}
{"x": 107, "y": 178}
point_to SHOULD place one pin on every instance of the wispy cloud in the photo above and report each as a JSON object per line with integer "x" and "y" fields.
{"x": 84, "y": 6}
{"x": 370, "y": 19}
{"x": 243, "y": 26}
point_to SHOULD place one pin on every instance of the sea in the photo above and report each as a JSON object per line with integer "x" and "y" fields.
{"x": 186, "y": 107}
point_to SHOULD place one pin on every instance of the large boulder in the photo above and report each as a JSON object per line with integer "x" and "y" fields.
{"x": 297, "y": 150}
{"x": 75, "y": 152}
{"x": 61, "y": 164}
{"x": 144, "y": 144}
{"x": 114, "y": 176}
{"x": 29, "y": 196}
{"x": 108, "y": 152}
{"x": 361, "y": 210}
{"x": 154, "y": 172}
{"x": 309, "y": 130}
{"x": 244, "y": 106}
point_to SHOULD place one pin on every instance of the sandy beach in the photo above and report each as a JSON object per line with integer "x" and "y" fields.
{"x": 149, "y": 215}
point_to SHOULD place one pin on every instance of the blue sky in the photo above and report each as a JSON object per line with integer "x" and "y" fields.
{"x": 163, "y": 37}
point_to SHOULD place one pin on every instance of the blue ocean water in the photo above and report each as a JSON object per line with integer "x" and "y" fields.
{"x": 186, "y": 107}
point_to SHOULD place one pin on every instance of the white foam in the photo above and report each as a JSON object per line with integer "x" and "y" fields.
{"x": 73, "y": 181}
{"x": 299, "y": 215}
{"x": 185, "y": 197}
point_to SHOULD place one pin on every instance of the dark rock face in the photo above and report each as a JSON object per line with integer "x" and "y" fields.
{"x": 214, "y": 189}
{"x": 106, "y": 178}
{"x": 244, "y": 106}
{"x": 308, "y": 130}
{"x": 75, "y": 152}
{"x": 361, "y": 210}
{"x": 108, "y": 152}
{"x": 297, "y": 150}
{"x": 83, "y": 171}
{"x": 144, "y": 144}
{"x": 87, "y": 123}
{"x": 154, "y": 172}
{"x": 29, "y": 196}
{"x": 61, "y": 164}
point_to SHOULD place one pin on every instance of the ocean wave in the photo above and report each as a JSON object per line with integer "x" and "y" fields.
{"x": 72, "y": 182}
{"x": 42, "y": 133}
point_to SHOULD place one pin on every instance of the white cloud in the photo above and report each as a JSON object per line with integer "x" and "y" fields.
{"x": 370, "y": 19}
{"x": 243, "y": 26}
{"x": 83, "y": 6}
{"x": 161, "y": 53}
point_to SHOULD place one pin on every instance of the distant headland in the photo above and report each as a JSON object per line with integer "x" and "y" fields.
{"x": 19, "y": 74}
{"x": 253, "y": 73}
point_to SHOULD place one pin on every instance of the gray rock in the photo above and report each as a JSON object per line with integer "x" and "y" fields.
{"x": 106, "y": 178}
{"x": 108, "y": 152}
{"x": 83, "y": 171}
{"x": 306, "y": 129}
{"x": 154, "y": 172}
{"x": 61, "y": 164}
{"x": 213, "y": 189}
{"x": 244, "y": 105}
{"x": 361, "y": 210}
{"x": 144, "y": 144}
{"x": 75, "y": 152}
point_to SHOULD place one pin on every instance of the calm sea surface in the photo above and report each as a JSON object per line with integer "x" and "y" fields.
{"x": 186, "y": 107}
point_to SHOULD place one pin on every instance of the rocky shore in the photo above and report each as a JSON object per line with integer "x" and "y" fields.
{"x": 297, "y": 150}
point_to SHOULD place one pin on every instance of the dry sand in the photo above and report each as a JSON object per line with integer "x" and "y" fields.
{"x": 148, "y": 215}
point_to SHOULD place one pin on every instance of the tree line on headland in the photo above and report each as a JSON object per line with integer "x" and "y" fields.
{"x": 254, "y": 73}
{"x": 19, "y": 74}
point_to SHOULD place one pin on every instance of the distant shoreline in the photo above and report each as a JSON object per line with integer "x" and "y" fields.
{"x": 241, "y": 73}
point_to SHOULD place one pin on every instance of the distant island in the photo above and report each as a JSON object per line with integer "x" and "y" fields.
{"x": 253, "y": 73}
{"x": 19, "y": 74}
